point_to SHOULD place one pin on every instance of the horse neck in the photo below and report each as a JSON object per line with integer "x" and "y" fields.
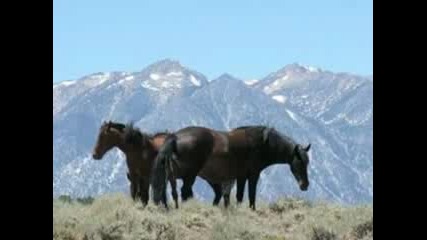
{"x": 119, "y": 142}
{"x": 285, "y": 157}
{"x": 146, "y": 149}
{"x": 140, "y": 158}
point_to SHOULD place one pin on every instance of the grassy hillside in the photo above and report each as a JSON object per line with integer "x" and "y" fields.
{"x": 115, "y": 216}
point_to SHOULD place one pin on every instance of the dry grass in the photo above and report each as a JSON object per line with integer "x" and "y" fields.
{"x": 114, "y": 217}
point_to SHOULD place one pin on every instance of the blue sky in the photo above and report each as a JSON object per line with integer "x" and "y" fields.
{"x": 248, "y": 39}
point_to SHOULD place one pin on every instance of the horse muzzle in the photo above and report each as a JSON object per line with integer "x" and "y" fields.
{"x": 303, "y": 185}
{"x": 96, "y": 156}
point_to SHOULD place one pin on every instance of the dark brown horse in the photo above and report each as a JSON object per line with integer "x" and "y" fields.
{"x": 140, "y": 150}
{"x": 218, "y": 157}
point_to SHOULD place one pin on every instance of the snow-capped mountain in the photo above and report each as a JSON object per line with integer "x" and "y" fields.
{"x": 331, "y": 111}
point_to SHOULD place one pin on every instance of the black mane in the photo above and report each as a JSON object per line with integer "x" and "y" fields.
{"x": 272, "y": 142}
{"x": 250, "y": 127}
{"x": 134, "y": 135}
{"x": 280, "y": 142}
{"x": 115, "y": 125}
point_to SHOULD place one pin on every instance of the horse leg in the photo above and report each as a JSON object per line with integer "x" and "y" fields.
{"x": 218, "y": 192}
{"x": 174, "y": 192}
{"x": 240, "y": 189}
{"x": 186, "y": 189}
{"x": 144, "y": 188}
{"x": 227, "y": 186}
{"x": 133, "y": 187}
{"x": 226, "y": 199}
{"x": 133, "y": 190}
{"x": 164, "y": 200}
{"x": 253, "y": 180}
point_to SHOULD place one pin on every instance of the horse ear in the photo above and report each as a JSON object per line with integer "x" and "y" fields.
{"x": 308, "y": 147}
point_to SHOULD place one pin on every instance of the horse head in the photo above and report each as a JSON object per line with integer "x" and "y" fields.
{"x": 299, "y": 164}
{"x": 105, "y": 141}
{"x": 285, "y": 150}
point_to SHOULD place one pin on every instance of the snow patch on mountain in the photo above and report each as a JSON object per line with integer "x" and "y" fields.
{"x": 195, "y": 81}
{"x": 154, "y": 76}
{"x": 279, "y": 98}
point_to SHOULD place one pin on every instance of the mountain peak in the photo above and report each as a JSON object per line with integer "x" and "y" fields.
{"x": 170, "y": 74}
{"x": 226, "y": 76}
{"x": 299, "y": 68}
{"x": 168, "y": 61}
{"x": 165, "y": 65}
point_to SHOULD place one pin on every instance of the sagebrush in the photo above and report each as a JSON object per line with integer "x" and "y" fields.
{"x": 116, "y": 216}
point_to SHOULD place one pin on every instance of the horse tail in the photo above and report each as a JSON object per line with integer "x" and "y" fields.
{"x": 161, "y": 169}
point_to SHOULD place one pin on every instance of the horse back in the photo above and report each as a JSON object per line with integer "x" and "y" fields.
{"x": 194, "y": 139}
{"x": 193, "y": 146}
{"x": 238, "y": 140}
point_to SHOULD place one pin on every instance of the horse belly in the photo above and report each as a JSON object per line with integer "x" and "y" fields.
{"x": 218, "y": 169}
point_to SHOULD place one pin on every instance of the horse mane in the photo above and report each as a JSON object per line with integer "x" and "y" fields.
{"x": 243, "y": 127}
{"x": 286, "y": 138}
{"x": 270, "y": 135}
{"x": 266, "y": 130}
{"x": 253, "y": 127}
{"x": 134, "y": 135}
{"x": 277, "y": 139}
{"x": 118, "y": 126}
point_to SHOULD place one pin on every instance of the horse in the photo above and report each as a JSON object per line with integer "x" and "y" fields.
{"x": 140, "y": 150}
{"x": 220, "y": 189}
{"x": 218, "y": 157}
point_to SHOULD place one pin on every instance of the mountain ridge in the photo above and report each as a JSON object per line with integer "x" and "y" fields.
{"x": 333, "y": 111}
